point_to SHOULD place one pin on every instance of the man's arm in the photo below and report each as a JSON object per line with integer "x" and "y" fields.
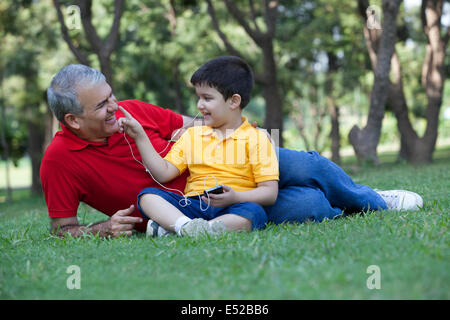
{"x": 119, "y": 224}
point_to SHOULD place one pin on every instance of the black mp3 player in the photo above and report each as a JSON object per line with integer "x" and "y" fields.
{"x": 214, "y": 190}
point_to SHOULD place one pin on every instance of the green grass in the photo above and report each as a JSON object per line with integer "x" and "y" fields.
{"x": 325, "y": 260}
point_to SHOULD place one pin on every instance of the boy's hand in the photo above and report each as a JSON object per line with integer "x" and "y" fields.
{"x": 225, "y": 199}
{"x": 129, "y": 125}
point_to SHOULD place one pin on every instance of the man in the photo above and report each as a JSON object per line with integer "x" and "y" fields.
{"x": 90, "y": 161}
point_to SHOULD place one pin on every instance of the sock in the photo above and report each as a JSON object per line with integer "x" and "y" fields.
{"x": 181, "y": 221}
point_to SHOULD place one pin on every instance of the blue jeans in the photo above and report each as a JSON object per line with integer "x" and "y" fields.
{"x": 311, "y": 187}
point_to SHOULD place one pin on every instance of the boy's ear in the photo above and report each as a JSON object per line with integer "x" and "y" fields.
{"x": 72, "y": 121}
{"x": 235, "y": 101}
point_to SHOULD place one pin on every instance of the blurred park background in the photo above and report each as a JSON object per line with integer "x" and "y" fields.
{"x": 345, "y": 78}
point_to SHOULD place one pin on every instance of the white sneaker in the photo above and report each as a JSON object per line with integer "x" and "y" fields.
{"x": 155, "y": 230}
{"x": 401, "y": 199}
{"x": 197, "y": 227}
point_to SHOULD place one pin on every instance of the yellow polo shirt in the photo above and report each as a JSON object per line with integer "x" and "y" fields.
{"x": 241, "y": 160}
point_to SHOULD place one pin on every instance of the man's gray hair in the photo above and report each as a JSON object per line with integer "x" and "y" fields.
{"x": 62, "y": 94}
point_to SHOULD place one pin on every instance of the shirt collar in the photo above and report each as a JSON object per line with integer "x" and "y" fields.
{"x": 239, "y": 133}
{"x": 74, "y": 142}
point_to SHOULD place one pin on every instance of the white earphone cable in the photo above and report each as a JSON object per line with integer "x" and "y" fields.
{"x": 185, "y": 201}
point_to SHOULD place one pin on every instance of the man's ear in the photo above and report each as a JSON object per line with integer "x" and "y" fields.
{"x": 235, "y": 101}
{"x": 72, "y": 121}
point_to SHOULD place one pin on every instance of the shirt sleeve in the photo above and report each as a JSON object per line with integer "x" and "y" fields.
{"x": 178, "y": 154}
{"x": 60, "y": 191}
{"x": 264, "y": 159}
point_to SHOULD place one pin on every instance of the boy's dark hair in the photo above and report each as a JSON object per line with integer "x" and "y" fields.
{"x": 229, "y": 75}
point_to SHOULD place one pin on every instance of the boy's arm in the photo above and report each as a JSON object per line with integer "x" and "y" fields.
{"x": 265, "y": 194}
{"x": 161, "y": 169}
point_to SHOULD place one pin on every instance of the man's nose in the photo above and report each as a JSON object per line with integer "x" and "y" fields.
{"x": 112, "y": 105}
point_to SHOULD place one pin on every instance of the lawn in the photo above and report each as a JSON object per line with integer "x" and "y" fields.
{"x": 327, "y": 260}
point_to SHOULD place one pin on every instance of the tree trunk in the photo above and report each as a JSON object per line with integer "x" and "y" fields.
{"x": 397, "y": 102}
{"x": 413, "y": 148}
{"x": 365, "y": 141}
{"x": 172, "y": 17}
{"x": 51, "y": 124}
{"x": 5, "y": 147}
{"x": 396, "y": 97}
{"x": 102, "y": 48}
{"x": 179, "y": 106}
{"x": 333, "y": 109}
{"x": 35, "y": 143}
{"x": 433, "y": 78}
{"x": 271, "y": 92}
{"x": 105, "y": 67}
{"x": 300, "y": 125}
{"x": 335, "y": 132}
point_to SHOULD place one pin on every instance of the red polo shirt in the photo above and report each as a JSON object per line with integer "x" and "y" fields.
{"x": 104, "y": 175}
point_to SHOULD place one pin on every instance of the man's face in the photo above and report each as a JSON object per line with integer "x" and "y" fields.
{"x": 97, "y": 122}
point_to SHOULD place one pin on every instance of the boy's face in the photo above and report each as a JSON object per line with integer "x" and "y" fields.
{"x": 216, "y": 111}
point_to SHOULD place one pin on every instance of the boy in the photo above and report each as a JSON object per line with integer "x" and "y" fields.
{"x": 225, "y": 151}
